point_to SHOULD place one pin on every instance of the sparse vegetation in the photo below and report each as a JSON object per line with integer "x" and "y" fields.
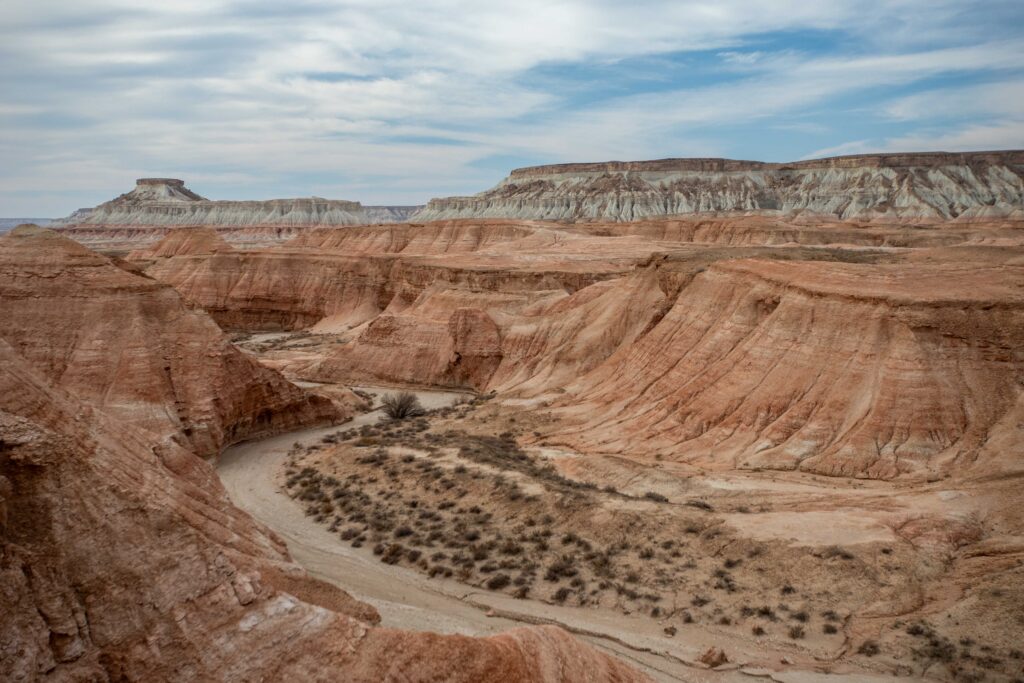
{"x": 466, "y": 506}
{"x": 402, "y": 405}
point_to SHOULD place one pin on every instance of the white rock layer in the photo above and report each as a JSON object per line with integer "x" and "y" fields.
{"x": 166, "y": 202}
{"x": 929, "y": 185}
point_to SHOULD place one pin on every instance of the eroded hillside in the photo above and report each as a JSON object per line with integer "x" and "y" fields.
{"x": 799, "y": 436}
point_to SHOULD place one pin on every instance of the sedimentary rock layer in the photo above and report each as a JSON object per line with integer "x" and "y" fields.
{"x": 128, "y": 344}
{"x": 166, "y": 202}
{"x": 837, "y": 368}
{"x": 646, "y": 342}
{"x": 938, "y": 185}
{"x": 121, "y": 561}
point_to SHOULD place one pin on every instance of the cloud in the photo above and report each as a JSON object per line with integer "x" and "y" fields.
{"x": 391, "y": 101}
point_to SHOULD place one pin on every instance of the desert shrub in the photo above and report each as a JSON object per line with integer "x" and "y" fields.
{"x": 917, "y": 629}
{"x": 800, "y": 616}
{"x": 393, "y": 554}
{"x": 829, "y": 628}
{"x": 656, "y": 497}
{"x": 402, "y": 405}
{"x": 700, "y": 505}
{"x": 796, "y": 632}
{"x": 565, "y": 566}
{"x": 868, "y": 648}
{"x": 498, "y": 581}
{"x": 757, "y": 631}
{"x": 510, "y": 547}
{"x": 561, "y": 595}
{"x": 836, "y": 551}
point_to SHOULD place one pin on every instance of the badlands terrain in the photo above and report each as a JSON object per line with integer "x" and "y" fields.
{"x": 681, "y": 420}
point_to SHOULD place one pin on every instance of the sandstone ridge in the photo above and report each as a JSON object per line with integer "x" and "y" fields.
{"x": 127, "y": 344}
{"x": 647, "y": 341}
{"x": 121, "y": 558}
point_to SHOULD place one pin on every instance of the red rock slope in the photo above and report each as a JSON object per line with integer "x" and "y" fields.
{"x": 124, "y": 562}
{"x": 128, "y": 345}
{"x": 837, "y": 368}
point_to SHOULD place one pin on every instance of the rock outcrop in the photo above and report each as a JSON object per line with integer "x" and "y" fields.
{"x": 184, "y": 242}
{"x": 930, "y": 185}
{"x": 166, "y": 202}
{"x": 121, "y": 558}
{"x": 758, "y": 364}
{"x": 647, "y": 343}
{"x": 128, "y": 344}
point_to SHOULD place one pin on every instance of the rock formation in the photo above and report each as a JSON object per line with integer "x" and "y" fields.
{"x": 128, "y": 345}
{"x": 756, "y": 364}
{"x": 120, "y": 555}
{"x": 931, "y": 185}
{"x": 649, "y": 344}
{"x": 119, "y": 561}
{"x": 166, "y": 202}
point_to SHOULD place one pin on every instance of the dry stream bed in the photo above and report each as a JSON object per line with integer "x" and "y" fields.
{"x": 445, "y": 525}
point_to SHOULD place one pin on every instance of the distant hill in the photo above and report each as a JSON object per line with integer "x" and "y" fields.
{"x": 8, "y": 223}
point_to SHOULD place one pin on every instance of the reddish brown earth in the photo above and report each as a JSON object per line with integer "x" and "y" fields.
{"x": 129, "y": 346}
{"x": 121, "y": 557}
{"x": 796, "y": 440}
{"x": 819, "y": 384}
{"x": 648, "y": 340}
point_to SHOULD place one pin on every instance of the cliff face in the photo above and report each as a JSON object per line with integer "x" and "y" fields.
{"x": 127, "y": 344}
{"x": 758, "y": 364}
{"x": 939, "y": 185}
{"x": 733, "y": 353}
{"x": 166, "y": 202}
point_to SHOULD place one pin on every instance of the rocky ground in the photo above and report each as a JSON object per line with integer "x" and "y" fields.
{"x": 445, "y": 496}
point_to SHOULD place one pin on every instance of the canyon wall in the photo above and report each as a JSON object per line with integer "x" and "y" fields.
{"x": 932, "y": 185}
{"x": 123, "y": 561}
{"x": 121, "y": 557}
{"x": 865, "y": 370}
{"x": 127, "y": 344}
{"x": 644, "y": 341}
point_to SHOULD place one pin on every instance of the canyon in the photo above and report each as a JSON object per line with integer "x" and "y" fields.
{"x": 692, "y": 419}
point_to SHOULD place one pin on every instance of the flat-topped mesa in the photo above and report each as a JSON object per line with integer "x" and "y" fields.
{"x": 167, "y": 202}
{"x": 933, "y": 185}
{"x": 161, "y": 189}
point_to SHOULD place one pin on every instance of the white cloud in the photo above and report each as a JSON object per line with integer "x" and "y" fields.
{"x": 1001, "y": 135}
{"x": 99, "y": 91}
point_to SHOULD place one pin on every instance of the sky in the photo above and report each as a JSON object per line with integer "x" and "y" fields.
{"x": 389, "y": 102}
